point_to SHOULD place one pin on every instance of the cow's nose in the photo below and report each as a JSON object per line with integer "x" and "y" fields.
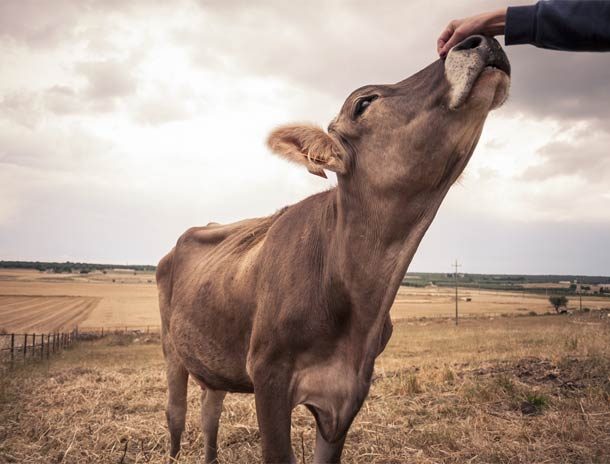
{"x": 470, "y": 43}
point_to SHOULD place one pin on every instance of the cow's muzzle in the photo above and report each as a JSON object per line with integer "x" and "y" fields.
{"x": 468, "y": 60}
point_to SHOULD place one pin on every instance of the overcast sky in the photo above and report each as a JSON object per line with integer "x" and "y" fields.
{"x": 122, "y": 123}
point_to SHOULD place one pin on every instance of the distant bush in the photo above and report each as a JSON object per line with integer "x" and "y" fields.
{"x": 559, "y": 302}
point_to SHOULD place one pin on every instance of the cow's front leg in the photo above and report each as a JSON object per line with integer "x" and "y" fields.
{"x": 273, "y": 412}
{"x": 328, "y": 453}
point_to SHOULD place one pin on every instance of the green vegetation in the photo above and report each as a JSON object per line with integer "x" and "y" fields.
{"x": 510, "y": 282}
{"x": 558, "y": 302}
{"x": 69, "y": 267}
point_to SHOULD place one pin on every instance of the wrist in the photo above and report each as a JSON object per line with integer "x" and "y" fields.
{"x": 494, "y": 22}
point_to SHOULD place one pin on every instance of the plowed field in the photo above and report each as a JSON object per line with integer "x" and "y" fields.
{"x": 31, "y": 313}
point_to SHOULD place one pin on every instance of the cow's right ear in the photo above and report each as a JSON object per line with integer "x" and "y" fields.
{"x": 310, "y": 146}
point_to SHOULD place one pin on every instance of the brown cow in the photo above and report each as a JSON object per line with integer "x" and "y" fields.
{"x": 294, "y": 307}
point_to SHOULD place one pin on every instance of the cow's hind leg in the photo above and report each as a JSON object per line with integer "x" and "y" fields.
{"x": 211, "y": 408}
{"x": 177, "y": 382}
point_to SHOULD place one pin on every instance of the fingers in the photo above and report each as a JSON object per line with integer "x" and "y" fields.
{"x": 445, "y": 36}
{"x": 455, "y": 39}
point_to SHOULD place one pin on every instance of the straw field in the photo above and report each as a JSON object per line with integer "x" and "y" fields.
{"x": 502, "y": 390}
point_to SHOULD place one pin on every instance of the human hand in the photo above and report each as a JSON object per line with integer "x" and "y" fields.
{"x": 490, "y": 24}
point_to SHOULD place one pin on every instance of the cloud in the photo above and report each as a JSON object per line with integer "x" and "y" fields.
{"x": 107, "y": 79}
{"x": 23, "y": 108}
{"x": 121, "y": 118}
{"x": 38, "y": 24}
{"x": 568, "y": 87}
{"x": 585, "y": 157}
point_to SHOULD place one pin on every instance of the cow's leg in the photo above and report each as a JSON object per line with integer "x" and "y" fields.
{"x": 211, "y": 408}
{"x": 327, "y": 453}
{"x": 177, "y": 382}
{"x": 273, "y": 412}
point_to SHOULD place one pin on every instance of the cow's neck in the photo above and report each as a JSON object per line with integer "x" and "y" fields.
{"x": 376, "y": 238}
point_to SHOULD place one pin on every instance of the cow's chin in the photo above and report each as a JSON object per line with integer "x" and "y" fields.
{"x": 490, "y": 90}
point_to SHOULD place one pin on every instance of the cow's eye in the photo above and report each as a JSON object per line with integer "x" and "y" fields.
{"x": 363, "y": 104}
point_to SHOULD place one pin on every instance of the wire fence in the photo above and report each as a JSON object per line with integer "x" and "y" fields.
{"x": 119, "y": 330}
{"x": 19, "y": 348}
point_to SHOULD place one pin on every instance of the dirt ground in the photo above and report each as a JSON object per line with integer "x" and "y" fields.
{"x": 118, "y": 299}
{"x": 503, "y": 390}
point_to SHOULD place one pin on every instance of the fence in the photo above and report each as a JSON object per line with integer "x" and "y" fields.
{"x": 120, "y": 330}
{"x": 20, "y": 348}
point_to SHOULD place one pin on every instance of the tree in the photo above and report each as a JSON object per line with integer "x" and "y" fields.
{"x": 558, "y": 302}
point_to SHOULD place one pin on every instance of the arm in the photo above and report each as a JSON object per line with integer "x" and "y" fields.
{"x": 561, "y": 25}
{"x": 575, "y": 25}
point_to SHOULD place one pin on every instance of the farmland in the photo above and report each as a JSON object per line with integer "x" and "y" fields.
{"x": 32, "y": 300}
{"x": 494, "y": 389}
{"x": 501, "y": 390}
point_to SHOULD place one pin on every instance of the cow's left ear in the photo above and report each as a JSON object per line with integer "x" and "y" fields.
{"x": 310, "y": 146}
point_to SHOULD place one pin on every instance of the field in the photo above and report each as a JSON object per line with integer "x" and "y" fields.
{"x": 503, "y": 390}
{"x": 32, "y": 300}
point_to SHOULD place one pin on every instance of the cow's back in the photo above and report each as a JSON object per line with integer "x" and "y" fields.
{"x": 206, "y": 287}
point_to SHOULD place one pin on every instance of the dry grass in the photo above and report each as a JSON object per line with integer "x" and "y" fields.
{"x": 509, "y": 390}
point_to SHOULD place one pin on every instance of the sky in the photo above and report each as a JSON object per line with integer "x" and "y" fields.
{"x": 123, "y": 123}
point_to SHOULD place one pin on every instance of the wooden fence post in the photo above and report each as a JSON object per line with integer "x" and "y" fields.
{"x": 34, "y": 345}
{"x": 25, "y": 347}
{"x": 42, "y": 348}
{"x": 48, "y": 345}
{"x": 12, "y": 349}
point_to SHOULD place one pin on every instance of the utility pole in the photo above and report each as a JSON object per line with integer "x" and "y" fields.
{"x": 456, "y": 265}
{"x": 580, "y": 294}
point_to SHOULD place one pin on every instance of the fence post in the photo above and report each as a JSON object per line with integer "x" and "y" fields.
{"x": 34, "y": 345}
{"x": 42, "y": 348}
{"x": 48, "y": 347}
{"x": 25, "y": 347}
{"x": 12, "y": 349}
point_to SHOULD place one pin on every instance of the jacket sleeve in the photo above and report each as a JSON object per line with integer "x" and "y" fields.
{"x": 573, "y": 25}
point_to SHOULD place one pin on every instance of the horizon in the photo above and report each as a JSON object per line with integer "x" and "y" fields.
{"x": 126, "y": 265}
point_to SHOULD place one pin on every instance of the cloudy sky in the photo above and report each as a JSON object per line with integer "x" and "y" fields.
{"x": 122, "y": 123}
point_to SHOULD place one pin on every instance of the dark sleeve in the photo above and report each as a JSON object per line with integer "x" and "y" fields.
{"x": 573, "y": 25}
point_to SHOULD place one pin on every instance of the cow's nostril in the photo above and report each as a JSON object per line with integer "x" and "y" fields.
{"x": 469, "y": 43}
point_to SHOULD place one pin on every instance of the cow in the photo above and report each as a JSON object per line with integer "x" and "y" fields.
{"x": 294, "y": 307}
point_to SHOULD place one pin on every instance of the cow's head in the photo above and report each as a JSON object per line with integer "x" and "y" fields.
{"x": 410, "y": 137}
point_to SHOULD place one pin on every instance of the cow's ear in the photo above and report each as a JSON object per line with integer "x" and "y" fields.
{"x": 310, "y": 146}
